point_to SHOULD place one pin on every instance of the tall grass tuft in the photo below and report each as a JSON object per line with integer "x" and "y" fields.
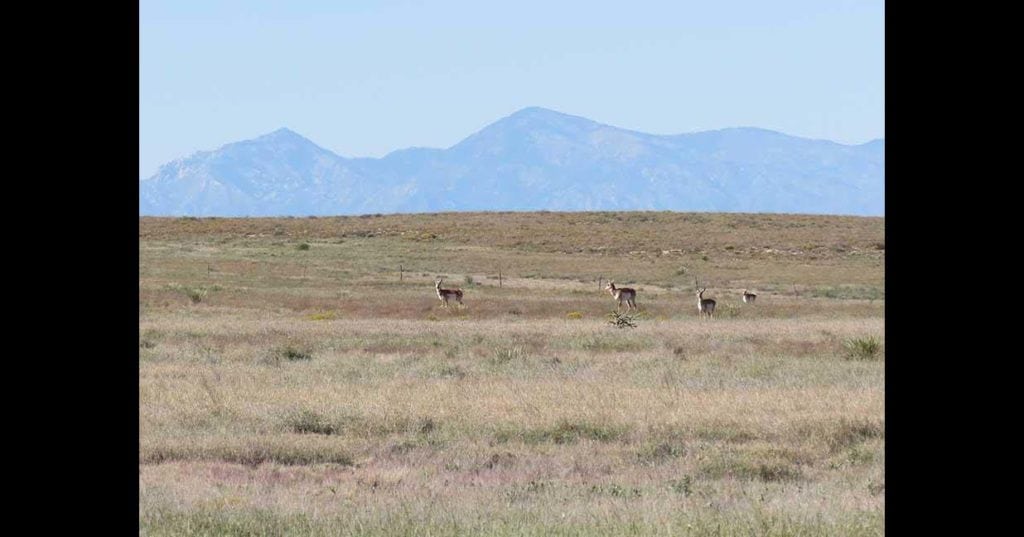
{"x": 862, "y": 348}
{"x": 622, "y": 320}
{"x": 308, "y": 422}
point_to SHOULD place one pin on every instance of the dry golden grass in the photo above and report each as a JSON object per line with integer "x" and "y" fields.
{"x": 311, "y": 391}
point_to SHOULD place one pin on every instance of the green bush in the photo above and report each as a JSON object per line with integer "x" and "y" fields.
{"x": 862, "y": 348}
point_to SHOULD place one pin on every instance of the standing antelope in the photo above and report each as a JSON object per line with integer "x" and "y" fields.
{"x": 705, "y": 306}
{"x": 748, "y": 298}
{"x": 622, "y": 293}
{"x": 446, "y": 294}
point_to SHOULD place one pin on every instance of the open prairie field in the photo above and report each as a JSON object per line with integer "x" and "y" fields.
{"x": 299, "y": 376}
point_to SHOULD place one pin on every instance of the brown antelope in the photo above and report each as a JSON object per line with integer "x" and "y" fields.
{"x": 622, "y": 293}
{"x": 447, "y": 294}
{"x": 705, "y": 306}
{"x": 748, "y": 297}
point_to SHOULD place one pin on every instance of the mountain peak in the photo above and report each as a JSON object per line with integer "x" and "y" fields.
{"x": 534, "y": 111}
{"x": 283, "y": 134}
{"x": 531, "y": 119}
{"x": 544, "y": 114}
{"x": 283, "y": 138}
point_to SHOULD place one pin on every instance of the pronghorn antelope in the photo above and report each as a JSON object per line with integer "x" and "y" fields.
{"x": 447, "y": 294}
{"x": 705, "y": 306}
{"x": 622, "y": 293}
{"x": 748, "y": 297}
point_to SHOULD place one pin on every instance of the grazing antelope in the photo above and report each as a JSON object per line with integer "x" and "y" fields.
{"x": 705, "y": 306}
{"x": 748, "y": 298}
{"x": 447, "y": 294}
{"x": 622, "y": 293}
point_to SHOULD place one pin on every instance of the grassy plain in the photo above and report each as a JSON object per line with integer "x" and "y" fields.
{"x": 292, "y": 381}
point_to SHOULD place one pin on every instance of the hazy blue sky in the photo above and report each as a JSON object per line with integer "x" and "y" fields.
{"x": 363, "y": 78}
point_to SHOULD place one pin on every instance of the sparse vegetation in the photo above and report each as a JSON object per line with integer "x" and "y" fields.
{"x": 862, "y": 348}
{"x": 506, "y": 355}
{"x": 309, "y": 422}
{"x": 451, "y": 371}
{"x": 291, "y": 354}
{"x": 622, "y": 320}
{"x": 194, "y": 294}
{"x": 727, "y": 467}
{"x": 565, "y": 432}
{"x": 323, "y": 316}
{"x": 683, "y": 486}
{"x": 725, "y": 310}
{"x": 848, "y": 292}
{"x": 293, "y": 403}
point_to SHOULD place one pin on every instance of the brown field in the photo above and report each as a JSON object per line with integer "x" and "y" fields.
{"x": 293, "y": 382}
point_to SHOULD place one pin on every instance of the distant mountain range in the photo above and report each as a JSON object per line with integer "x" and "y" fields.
{"x": 535, "y": 159}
